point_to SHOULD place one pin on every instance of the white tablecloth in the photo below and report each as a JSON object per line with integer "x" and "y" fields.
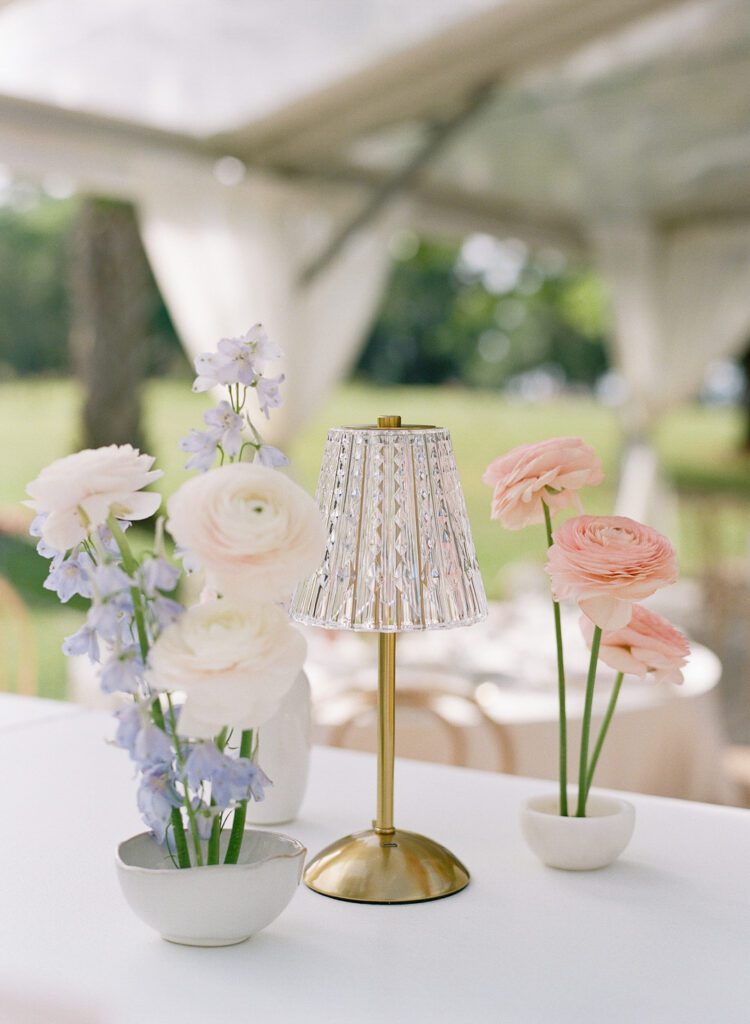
{"x": 665, "y": 740}
{"x": 660, "y": 937}
{"x": 20, "y": 712}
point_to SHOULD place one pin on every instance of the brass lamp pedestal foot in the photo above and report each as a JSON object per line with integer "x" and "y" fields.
{"x": 378, "y": 867}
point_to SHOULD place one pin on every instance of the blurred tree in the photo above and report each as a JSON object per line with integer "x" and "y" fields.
{"x": 112, "y": 303}
{"x": 33, "y": 301}
{"x": 745, "y": 365}
{"x": 483, "y": 314}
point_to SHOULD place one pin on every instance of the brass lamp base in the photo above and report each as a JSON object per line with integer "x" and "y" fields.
{"x": 386, "y": 867}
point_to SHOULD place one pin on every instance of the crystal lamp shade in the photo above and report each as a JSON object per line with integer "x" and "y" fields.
{"x": 399, "y": 554}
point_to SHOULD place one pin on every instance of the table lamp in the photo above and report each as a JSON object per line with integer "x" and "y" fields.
{"x": 399, "y": 557}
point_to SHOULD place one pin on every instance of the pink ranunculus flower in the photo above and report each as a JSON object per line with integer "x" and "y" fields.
{"x": 606, "y": 563}
{"x": 552, "y": 471}
{"x": 649, "y": 643}
{"x": 253, "y": 530}
{"x": 79, "y": 492}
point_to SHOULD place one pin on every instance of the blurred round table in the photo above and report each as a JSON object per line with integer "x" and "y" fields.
{"x": 665, "y": 740}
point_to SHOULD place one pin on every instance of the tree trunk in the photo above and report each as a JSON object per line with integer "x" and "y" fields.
{"x": 111, "y": 308}
{"x": 745, "y": 364}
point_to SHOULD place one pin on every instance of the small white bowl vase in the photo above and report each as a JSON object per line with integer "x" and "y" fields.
{"x": 577, "y": 844}
{"x": 218, "y": 905}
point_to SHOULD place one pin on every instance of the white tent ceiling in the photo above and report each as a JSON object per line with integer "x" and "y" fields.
{"x": 619, "y": 126}
{"x": 634, "y": 105}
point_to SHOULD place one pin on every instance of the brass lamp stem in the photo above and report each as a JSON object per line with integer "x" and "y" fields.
{"x": 383, "y": 823}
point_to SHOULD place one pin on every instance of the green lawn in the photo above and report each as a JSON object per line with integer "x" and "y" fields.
{"x": 38, "y": 422}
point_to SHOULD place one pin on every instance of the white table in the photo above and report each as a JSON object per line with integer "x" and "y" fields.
{"x": 18, "y": 712}
{"x": 661, "y": 936}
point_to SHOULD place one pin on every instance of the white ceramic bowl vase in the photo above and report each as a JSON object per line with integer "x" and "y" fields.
{"x": 218, "y": 905}
{"x": 577, "y": 844}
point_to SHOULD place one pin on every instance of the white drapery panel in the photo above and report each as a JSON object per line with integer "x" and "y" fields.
{"x": 680, "y": 298}
{"x": 226, "y": 258}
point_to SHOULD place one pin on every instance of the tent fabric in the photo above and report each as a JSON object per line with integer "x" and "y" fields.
{"x": 225, "y": 258}
{"x": 680, "y": 298}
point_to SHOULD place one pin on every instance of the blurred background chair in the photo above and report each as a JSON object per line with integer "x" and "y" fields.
{"x": 434, "y": 724}
{"x": 18, "y": 664}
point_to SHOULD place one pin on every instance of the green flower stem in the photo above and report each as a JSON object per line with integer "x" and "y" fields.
{"x": 130, "y": 565}
{"x": 186, "y": 797}
{"x": 586, "y": 725}
{"x": 240, "y": 811}
{"x": 214, "y": 842}
{"x": 603, "y": 731}
{"x": 175, "y": 818}
{"x": 563, "y": 718}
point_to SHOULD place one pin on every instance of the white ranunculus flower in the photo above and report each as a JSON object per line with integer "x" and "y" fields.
{"x": 254, "y": 531}
{"x": 79, "y": 492}
{"x": 233, "y": 664}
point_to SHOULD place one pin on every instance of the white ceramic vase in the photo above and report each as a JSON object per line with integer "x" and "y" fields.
{"x": 284, "y": 755}
{"x": 577, "y": 844}
{"x": 210, "y": 906}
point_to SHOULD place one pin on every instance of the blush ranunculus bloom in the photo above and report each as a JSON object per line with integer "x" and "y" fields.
{"x": 79, "y": 492}
{"x": 253, "y": 530}
{"x": 233, "y": 664}
{"x": 522, "y": 479}
{"x": 606, "y": 563}
{"x": 649, "y": 643}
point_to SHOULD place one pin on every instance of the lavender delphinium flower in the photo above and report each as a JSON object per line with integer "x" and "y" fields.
{"x": 157, "y": 575}
{"x": 260, "y": 344}
{"x": 151, "y": 748}
{"x": 258, "y": 782}
{"x": 157, "y": 796}
{"x": 43, "y": 548}
{"x": 122, "y": 672}
{"x": 165, "y": 611}
{"x": 130, "y": 722}
{"x": 236, "y": 361}
{"x": 204, "y": 817}
{"x": 83, "y": 641}
{"x": 112, "y": 585}
{"x": 231, "y": 778}
{"x": 108, "y": 542}
{"x": 237, "y": 364}
{"x": 226, "y": 426}
{"x": 114, "y": 625}
{"x": 203, "y": 445}
{"x": 70, "y": 576}
{"x": 35, "y": 527}
{"x": 206, "y": 367}
{"x": 269, "y": 394}
{"x": 272, "y": 457}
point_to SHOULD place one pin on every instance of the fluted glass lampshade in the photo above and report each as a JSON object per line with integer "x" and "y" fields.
{"x": 399, "y": 554}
